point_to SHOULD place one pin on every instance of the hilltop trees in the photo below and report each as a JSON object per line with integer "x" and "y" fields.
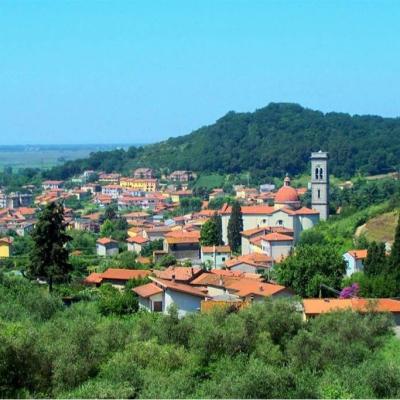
{"x": 49, "y": 255}
{"x": 235, "y": 226}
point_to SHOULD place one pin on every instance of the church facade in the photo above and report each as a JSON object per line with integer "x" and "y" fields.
{"x": 287, "y": 211}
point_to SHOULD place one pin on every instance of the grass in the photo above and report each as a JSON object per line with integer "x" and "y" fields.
{"x": 209, "y": 181}
{"x": 381, "y": 228}
{"x": 340, "y": 230}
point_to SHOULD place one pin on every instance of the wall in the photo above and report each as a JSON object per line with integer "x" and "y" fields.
{"x": 186, "y": 303}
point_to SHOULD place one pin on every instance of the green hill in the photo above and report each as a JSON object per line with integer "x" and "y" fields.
{"x": 268, "y": 142}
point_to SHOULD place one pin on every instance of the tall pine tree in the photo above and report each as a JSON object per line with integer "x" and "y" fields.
{"x": 375, "y": 263}
{"x": 235, "y": 226}
{"x": 49, "y": 256}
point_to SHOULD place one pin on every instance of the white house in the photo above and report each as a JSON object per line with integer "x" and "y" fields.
{"x": 106, "y": 247}
{"x": 215, "y": 255}
{"x": 276, "y": 245}
{"x": 355, "y": 261}
{"x": 164, "y": 293}
{"x": 137, "y": 243}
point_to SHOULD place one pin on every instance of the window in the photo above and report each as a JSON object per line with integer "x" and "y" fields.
{"x": 223, "y": 258}
{"x": 321, "y": 174}
{"x": 319, "y": 193}
{"x": 157, "y": 306}
{"x": 280, "y": 222}
{"x": 264, "y": 221}
{"x": 316, "y": 173}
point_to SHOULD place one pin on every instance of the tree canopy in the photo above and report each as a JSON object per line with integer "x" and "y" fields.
{"x": 271, "y": 141}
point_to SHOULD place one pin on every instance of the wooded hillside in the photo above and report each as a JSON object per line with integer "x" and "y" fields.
{"x": 268, "y": 142}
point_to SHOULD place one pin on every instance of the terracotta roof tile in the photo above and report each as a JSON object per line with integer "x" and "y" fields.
{"x": 150, "y": 289}
{"x": 125, "y": 274}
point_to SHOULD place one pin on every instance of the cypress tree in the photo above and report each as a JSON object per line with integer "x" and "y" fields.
{"x": 394, "y": 260}
{"x": 218, "y": 222}
{"x": 49, "y": 255}
{"x": 375, "y": 263}
{"x": 235, "y": 226}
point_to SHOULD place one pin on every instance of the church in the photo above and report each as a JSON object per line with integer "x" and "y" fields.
{"x": 287, "y": 214}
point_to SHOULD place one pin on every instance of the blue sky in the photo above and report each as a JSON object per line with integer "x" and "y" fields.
{"x": 141, "y": 71}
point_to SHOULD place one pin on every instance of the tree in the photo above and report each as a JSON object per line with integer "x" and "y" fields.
{"x": 49, "y": 255}
{"x": 111, "y": 212}
{"x": 375, "y": 261}
{"x": 235, "y": 226}
{"x": 209, "y": 235}
{"x": 394, "y": 259}
{"x": 309, "y": 266}
{"x": 218, "y": 222}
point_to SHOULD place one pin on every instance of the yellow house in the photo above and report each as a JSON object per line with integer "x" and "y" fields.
{"x": 5, "y": 247}
{"x": 176, "y": 197}
{"x": 144, "y": 185}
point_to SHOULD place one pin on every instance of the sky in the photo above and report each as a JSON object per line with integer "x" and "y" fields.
{"x": 142, "y": 71}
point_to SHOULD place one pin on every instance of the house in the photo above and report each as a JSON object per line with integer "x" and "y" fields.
{"x": 186, "y": 298}
{"x": 52, "y": 185}
{"x": 178, "y": 274}
{"x": 151, "y": 297}
{"x": 94, "y": 279}
{"x": 106, "y": 247}
{"x": 246, "y": 289}
{"x": 215, "y": 255}
{"x": 156, "y": 232}
{"x": 114, "y": 191}
{"x": 143, "y": 173}
{"x": 355, "y": 261}
{"x": 5, "y": 247}
{"x": 145, "y": 185}
{"x": 183, "y": 245}
{"x": 181, "y": 176}
{"x": 315, "y": 307}
{"x": 112, "y": 179}
{"x": 276, "y": 245}
{"x": 250, "y": 236}
{"x": 177, "y": 196}
{"x": 137, "y": 243}
{"x": 116, "y": 276}
{"x": 254, "y": 263}
{"x": 119, "y": 277}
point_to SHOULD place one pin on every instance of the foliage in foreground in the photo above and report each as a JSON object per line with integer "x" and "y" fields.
{"x": 265, "y": 351}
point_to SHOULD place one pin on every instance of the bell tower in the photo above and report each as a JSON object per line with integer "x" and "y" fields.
{"x": 320, "y": 184}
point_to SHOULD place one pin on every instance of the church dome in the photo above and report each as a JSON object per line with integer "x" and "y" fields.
{"x": 286, "y": 194}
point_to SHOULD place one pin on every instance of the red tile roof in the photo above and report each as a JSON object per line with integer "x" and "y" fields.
{"x": 320, "y": 306}
{"x": 183, "y": 274}
{"x": 148, "y": 290}
{"x": 125, "y": 274}
{"x": 105, "y": 241}
{"x": 182, "y": 237}
{"x": 249, "y": 210}
{"x": 358, "y": 254}
{"x": 180, "y": 287}
{"x": 286, "y": 194}
{"x": 137, "y": 239}
{"x": 306, "y": 211}
{"x": 217, "y": 249}
{"x": 277, "y": 237}
{"x": 254, "y": 259}
{"x": 93, "y": 278}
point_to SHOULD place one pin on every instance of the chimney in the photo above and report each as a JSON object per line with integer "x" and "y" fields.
{"x": 261, "y": 288}
{"x": 221, "y": 282}
{"x": 173, "y": 277}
